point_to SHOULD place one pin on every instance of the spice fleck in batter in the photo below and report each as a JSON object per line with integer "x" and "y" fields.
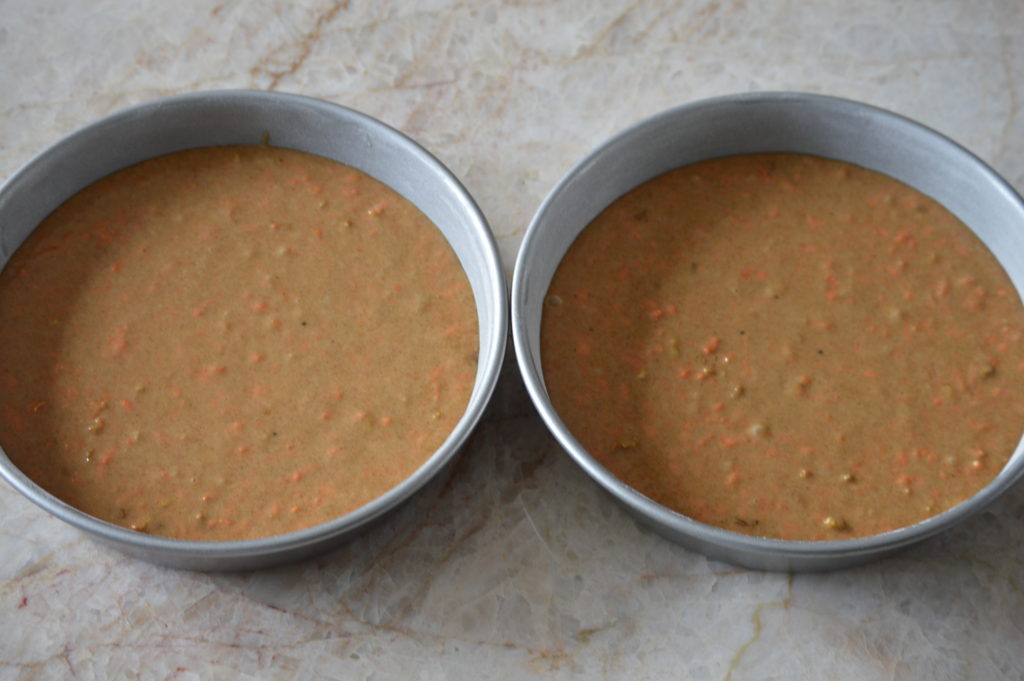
{"x": 232, "y": 342}
{"x": 787, "y": 346}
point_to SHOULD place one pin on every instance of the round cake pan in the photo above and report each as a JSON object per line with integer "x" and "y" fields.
{"x": 294, "y": 122}
{"x": 759, "y": 123}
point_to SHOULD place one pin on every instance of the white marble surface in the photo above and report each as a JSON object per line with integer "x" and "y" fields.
{"x": 515, "y": 566}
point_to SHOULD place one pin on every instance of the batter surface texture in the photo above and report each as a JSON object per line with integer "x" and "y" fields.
{"x": 232, "y": 342}
{"x": 787, "y": 346}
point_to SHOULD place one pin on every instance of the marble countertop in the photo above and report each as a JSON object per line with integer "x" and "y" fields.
{"x": 515, "y": 566}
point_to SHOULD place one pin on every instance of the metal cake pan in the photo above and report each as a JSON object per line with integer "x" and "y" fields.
{"x": 753, "y": 123}
{"x": 295, "y": 122}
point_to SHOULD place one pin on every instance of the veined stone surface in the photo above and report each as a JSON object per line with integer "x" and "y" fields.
{"x": 515, "y": 566}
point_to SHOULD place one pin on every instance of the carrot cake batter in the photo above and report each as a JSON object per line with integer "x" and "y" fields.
{"x": 787, "y": 346}
{"x": 232, "y": 342}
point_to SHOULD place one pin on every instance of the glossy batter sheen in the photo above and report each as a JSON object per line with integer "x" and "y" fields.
{"x": 231, "y": 343}
{"x": 787, "y": 346}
